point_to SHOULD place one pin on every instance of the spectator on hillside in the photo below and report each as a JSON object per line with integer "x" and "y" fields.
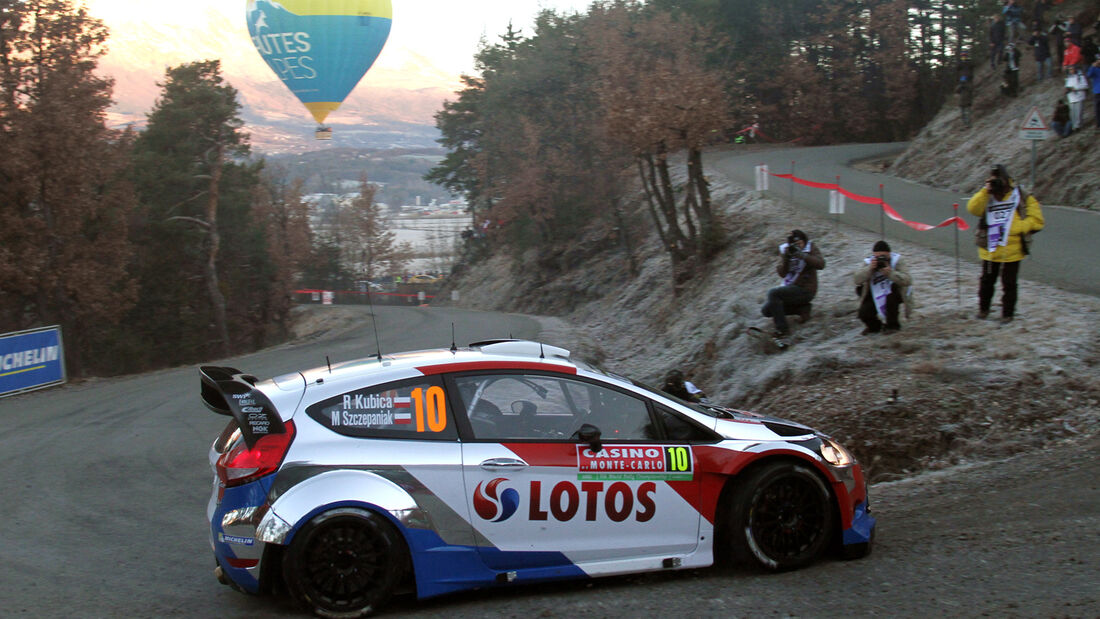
{"x": 1059, "y": 123}
{"x": 1057, "y": 34}
{"x": 1073, "y": 29}
{"x": 1077, "y": 88}
{"x": 1014, "y": 20}
{"x": 996, "y": 40}
{"x": 883, "y": 283}
{"x": 1008, "y": 217}
{"x": 1011, "y": 85}
{"x": 965, "y": 90}
{"x": 799, "y": 262}
{"x": 964, "y": 67}
{"x": 1094, "y": 77}
{"x": 1072, "y": 57}
{"x": 675, "y": 385}
{"x": 1041, "y": 45}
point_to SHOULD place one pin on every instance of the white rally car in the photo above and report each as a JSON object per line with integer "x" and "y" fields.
{"x": 503, "y": 463}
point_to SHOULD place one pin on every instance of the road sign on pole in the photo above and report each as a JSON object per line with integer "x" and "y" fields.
{"x": 1034, "y": 127}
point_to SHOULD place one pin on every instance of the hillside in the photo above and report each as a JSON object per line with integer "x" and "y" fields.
{"x": 966, "y": 389}
{"x": 948, "y": 155}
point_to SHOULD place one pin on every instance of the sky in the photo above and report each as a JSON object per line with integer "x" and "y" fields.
{"x": 446, "y": 33}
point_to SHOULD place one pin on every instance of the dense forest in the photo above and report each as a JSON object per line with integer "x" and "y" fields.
{"x": 541, "y": 135}
{"x": 175, "y": 244}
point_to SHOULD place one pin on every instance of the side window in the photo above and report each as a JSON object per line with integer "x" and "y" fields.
{"x": 679, "y": 429}
{"x": 531, "y": 406}
{"x": 415, "y": 409}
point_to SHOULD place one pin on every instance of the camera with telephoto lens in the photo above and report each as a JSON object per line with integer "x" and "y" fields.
{"x": 882, "y": 262}
{"x": 998, "y": 180}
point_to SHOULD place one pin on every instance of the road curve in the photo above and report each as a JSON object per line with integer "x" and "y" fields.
{"x": 105, "y": 482}
{"x": 105, "y": 486}
{"x": 1058, "y": 255}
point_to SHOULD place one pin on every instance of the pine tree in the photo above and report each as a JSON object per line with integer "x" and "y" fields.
{"x": 191, "y": 142}
{"x": 64, "y": 193}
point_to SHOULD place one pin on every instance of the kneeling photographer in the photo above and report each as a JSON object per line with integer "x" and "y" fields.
{"x": 883, "y": 284}
{"x": 799, "y": 262}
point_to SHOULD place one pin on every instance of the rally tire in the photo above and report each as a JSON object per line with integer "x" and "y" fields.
{"x": 779, "y": 517}
{"x": 344, "y": 563}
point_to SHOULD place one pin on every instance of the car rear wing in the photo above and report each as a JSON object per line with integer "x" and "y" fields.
{"x": 228, "y": 391}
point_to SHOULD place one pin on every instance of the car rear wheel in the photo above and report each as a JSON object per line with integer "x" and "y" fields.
{"x": 344, "y": 563}
{"x": 780, "y": 517}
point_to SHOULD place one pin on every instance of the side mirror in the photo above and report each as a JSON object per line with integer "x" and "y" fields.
{"x": 590, "y": 434}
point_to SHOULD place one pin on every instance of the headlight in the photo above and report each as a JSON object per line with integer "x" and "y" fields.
{"x": 833, "y": 453}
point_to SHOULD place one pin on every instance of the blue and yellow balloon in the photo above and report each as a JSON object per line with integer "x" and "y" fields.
{"x": 319, "y": 48}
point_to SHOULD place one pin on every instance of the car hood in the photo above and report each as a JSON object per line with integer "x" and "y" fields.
{"x": 747, "y": 425}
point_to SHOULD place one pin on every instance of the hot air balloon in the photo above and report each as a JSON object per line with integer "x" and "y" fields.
{"x": 319, "y": 48}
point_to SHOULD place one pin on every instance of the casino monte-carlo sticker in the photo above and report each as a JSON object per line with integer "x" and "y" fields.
{"x": 636, "y": 462}
{"x": 30, "y": 360}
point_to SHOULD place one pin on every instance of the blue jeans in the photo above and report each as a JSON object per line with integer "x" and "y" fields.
{"x": 1042, "y": 68}
{"x": 782, "y": 301}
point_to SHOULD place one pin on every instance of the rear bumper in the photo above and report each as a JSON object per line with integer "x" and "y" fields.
{"x": 233, "y": 522}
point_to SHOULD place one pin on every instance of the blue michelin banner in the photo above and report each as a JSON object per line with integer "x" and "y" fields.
{"x": 31, "y": 360}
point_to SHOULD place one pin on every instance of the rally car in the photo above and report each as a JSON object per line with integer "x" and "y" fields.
{"x": 502, "y": 463}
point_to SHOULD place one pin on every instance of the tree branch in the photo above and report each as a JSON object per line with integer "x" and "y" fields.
{"x": 198, "y": 222}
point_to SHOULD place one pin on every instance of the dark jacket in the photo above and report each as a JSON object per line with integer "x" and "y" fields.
{"x": 1061, "y": 113}
{"x": 997, "y": 32}
{"x": 807, "y": 279}
{"x": 1042, "y": 46}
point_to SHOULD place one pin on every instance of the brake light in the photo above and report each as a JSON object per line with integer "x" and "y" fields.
{"x": 240, "y": 465}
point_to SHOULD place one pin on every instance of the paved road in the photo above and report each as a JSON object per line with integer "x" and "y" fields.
{"x": 1059, "y": 255}
{"x": 105, "y": 486}
{"x": 105, "y": 483}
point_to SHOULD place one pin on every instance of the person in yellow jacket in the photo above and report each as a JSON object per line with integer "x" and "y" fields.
{"x": 1008, "y": 217}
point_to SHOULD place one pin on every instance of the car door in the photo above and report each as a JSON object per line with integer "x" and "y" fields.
{"x": 542, "y": 498}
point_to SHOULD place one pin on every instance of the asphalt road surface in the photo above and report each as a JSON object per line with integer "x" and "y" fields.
{"x": 105, "y": 486}
{"x": 1057, "y": 254}
{"x": 105, "y": 483}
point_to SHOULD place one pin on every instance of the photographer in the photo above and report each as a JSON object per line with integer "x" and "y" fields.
{"x": 1008, "y": 218}
{"x": 799, "y": 262}
{"x": 883, "y": 285}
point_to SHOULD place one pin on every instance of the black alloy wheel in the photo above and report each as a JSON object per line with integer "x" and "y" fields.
{"x": 344, "y": 563}
{"x": 781, "y": 516}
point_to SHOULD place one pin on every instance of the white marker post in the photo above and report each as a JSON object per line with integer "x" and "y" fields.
{"x": 836, "y": 206}
{"x": 1034, "y": 128}
{"x": 761, "y": 178}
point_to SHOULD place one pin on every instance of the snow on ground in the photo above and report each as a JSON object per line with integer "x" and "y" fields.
{"x": 965, "y": 388}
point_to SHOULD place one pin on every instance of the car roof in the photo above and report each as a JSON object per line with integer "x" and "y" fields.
{"x": 487, "y": 355}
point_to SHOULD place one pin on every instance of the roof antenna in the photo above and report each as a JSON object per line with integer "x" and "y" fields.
{"x": 374, "y": 323}
{"x": 542, "y": 354}
{"x": 454, "y": 347}
{"x": 329, "y": 364}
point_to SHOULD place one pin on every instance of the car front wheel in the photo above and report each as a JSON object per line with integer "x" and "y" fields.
{"x": 780, "y": 516}
{"x": 344, "y": 563}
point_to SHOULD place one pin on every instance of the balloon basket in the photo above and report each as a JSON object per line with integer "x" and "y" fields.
{"x": 323, "y": 133}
